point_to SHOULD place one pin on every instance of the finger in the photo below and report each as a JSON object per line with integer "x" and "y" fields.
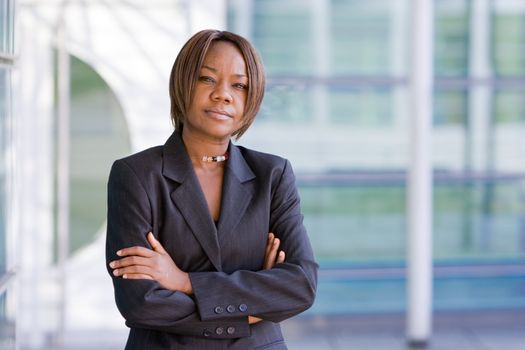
{"x": 270, "y": 258}
{"x": 130, "y": 260}
{"x": 269, "y": 243}
{"x": 155, "y": 244}
{"x": 137, "y": 250}
{"x": 135, "y": 269}
{"x": 280, "y": 257}
{"x": 137, "y": 276}
{"x": 253, "y": 319}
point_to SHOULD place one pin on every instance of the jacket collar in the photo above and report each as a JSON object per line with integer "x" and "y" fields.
{"x": 177, "y": 164}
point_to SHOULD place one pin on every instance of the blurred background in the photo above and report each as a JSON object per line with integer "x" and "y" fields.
{"x": 84, "y": 82}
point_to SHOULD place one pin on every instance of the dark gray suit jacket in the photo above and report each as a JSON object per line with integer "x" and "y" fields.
{"x": 157, "y": 190}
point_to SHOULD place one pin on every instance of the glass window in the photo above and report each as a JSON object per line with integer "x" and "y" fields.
{"x": 6, "y": 26}
{"x": 98, "y": 136}
{"x": 363, "y": 37}
{"x": 450, "y": 107}
{"x": 360, "y": 221}
{"x": 509, "y": 41}
{"x": 287, "y": 103}
{"x": 362, "y": 106}
{"x": 282, "y": 34}
{"x": 510, "y": 106}
{"x": 479, "y": 219}
{"x": 451, "y": 38}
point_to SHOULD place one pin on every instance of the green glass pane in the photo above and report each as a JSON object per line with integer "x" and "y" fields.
{"x": 358, "y": 222}
{"x": 510, "y": 106}
{"x": 450, "y": 107}
{"x": 479, "y": 220}
{"x": 6, "y": 26}
{"x": 285, "y": 103}
{"x": 355, "y": 222}
{"x": 281, "y": 33}
{"x": 361, "y": 41}
{"x": 451, "y": 47}
{"x": 509, "y": 45}
{"x": 364, "y": 107}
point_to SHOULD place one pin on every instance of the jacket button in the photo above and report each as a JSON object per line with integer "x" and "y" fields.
{"x": 219, "y": 330}
{"x": 230, "y": 330}
{"x": 206, "y": 333}
{"x": 219, "y": 310}
{"x": 243, "y": 307}
{"x": 230, "y": 309}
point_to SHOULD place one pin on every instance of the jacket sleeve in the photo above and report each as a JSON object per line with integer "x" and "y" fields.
{"x": 144, "y": 303}
{"x": 275, "y": 294}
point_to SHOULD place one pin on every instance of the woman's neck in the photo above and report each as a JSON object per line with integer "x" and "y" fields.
{"x": 198, "y": 148}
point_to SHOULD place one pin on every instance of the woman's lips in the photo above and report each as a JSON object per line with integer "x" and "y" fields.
{"x": 218, "y": 114}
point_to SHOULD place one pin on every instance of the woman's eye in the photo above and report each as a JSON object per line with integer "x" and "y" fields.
{"x": 206, "y": 79}
{"x": 241, "y": 86}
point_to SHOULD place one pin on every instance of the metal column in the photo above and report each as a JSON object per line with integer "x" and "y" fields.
{"x": 419, "y": 186}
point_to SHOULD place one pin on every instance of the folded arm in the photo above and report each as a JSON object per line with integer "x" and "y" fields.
{"x": 157, "y": 265}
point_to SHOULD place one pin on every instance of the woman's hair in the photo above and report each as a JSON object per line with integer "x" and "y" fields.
{"x": 186, "y": 71}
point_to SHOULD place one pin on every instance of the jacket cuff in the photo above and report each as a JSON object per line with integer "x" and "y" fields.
{"x": 219, "y": 305}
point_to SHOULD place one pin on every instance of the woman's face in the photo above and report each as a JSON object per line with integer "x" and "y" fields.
{"x": 217, "y": 108}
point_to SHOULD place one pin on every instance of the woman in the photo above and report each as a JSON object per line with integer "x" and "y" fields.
{"x": 188, "y": 244}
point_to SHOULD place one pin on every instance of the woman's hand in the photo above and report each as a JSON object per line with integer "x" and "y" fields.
{"x": 154, "y": 264}
{"x": 271, "y": 258}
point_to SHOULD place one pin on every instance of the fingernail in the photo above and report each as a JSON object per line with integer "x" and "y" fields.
{"x": 112, "y": 264}
{"x": 119, "y": 253}
{"x": 124, "y": 276}
{"x": 115, "y": 272}
{"x": 276, "y": 241}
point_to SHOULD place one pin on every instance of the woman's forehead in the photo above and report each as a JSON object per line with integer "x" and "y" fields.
{"x": 224, "y": 55}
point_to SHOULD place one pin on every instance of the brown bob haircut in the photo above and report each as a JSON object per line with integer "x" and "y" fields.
{"x": 186, "y": 71}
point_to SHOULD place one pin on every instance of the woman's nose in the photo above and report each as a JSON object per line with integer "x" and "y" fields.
{"x": 221, "y": 93}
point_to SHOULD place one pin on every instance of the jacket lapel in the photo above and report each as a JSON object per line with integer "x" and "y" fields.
{"x": 237, "y": 193}
{"x": 189, "y": 198}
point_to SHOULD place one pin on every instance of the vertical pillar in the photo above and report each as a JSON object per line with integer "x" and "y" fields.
{"x": 34, "y": 206}
{"x": 480, "y": 131}
{"x": 63, "y": 166}
{"x": 419, "y": 318}
{"x": 480, "y": 95}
